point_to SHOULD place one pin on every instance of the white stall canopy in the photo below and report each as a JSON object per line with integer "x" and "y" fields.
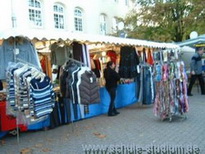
{"x": 45, "y": 35}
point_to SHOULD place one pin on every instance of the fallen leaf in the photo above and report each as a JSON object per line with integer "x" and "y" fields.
{"x": 38, "y": 145}
{"x": 46, "y": 150}
{"x": 102, "y": 136}
{"x": 2, "y": 142}
{"x": 96, "y": 133}
{"x": 99, "y": 135}
{"x": 26, "y": 151}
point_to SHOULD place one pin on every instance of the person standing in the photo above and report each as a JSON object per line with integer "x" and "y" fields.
{"x": 111, "y": 79}
{"x": 196, "y": 70}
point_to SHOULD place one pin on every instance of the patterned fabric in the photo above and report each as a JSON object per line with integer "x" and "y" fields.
{"x": 171, "y": 92}
{"x": 128, "y": 62}
{"x": 30, "y": 93}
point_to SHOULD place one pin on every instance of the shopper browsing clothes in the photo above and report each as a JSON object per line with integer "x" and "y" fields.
{"x": 111, "y": 78}
{"x": 196, "y": 70}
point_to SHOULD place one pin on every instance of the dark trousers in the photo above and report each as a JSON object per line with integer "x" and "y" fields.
{"x": 1, "y": 85}
{"x": 192, "y": 81}
{"x": 112, "y": 93}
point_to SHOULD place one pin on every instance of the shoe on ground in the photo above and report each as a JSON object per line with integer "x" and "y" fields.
{"x": 190, "y": 94}
{"x": 117, "y": 112}
{"x": 112, "y": 114}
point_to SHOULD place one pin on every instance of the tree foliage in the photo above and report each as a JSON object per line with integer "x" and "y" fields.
{"x": 165, "y": 20}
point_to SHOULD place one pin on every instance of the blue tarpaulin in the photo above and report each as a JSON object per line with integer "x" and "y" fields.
{"x": 126, "y": 95}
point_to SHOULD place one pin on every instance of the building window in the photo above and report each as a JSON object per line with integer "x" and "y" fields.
{"x": 35, "y": 13}
{"x": 78, "y": 18}
{"x": 103, "y": 24}
{"x": 58, "y": 16}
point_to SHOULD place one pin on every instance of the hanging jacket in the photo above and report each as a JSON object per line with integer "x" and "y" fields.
{"x": 89, "y": 88}
{"x": 26, "y": 52}
{"x": 59, "y": 55}
{"x": 128, "y": 62}
{"x": 66, "y": 77}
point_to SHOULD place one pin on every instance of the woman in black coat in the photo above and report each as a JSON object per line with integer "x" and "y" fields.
{"x": 111, "y": 78}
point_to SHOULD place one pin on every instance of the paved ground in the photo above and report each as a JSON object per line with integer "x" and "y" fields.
{"x": 134, "y": 126}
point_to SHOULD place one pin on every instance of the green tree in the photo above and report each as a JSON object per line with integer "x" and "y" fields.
{"x": 165, "y": 20}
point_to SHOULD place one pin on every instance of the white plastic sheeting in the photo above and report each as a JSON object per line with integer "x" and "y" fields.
{"x": 87, "y": 38}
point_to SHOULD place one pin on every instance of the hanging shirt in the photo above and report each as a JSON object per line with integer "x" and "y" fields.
{"x": 150, "y": 58}
{"x": 59, "y": 55}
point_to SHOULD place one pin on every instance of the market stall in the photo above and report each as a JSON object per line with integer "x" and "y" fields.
{"x": 64, "y": 110}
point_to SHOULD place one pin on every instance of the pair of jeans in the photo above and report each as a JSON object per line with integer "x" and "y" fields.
{"x": 147, "y": 96}
{"x": 112, "y": 93}
{"x": 65, "y": 110}
{"x": 137, "y": 81}
{"x": 54, "y": 117}
{"x": 201, "y": 83}
{"x": 1, "y": 85}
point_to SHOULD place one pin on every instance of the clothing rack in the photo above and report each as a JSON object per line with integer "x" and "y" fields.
{"x": 170, "y": 115}
{"x": 16, "y": 52}
{"x": 79, "y": 62}
{"x": 25, "y": 62}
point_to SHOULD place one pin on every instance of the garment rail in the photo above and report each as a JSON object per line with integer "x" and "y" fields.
{"x": 17, "y": 122}
{"x": 79, "y": 62}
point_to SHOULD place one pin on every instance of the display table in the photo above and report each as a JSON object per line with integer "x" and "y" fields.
{"x": 125, "y": 96}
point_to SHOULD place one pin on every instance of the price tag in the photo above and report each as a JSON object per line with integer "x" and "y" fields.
{"x": 138, "y": 69}
{"x": 91, "y": 80}
{"x": 16, "y": 51}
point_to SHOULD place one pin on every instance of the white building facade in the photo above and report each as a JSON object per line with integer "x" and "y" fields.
{"x": 79, "y": 16}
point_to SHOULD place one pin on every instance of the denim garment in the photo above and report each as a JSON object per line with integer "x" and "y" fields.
{"x": 27, "y": 53}
{"x": 147, "y": 96}
{"x": 67, "y": 107}
{"x": 137, "y": 81}
{"x": 140, "y": 99}
{"x": 55, "y": 117}
{"x": 2, "y": 68}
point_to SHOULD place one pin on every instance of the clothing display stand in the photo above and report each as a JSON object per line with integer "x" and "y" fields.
{"x": 16, "y": 52}
{"x": 79, "y": 62}
{"x": 171, "y": 100}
